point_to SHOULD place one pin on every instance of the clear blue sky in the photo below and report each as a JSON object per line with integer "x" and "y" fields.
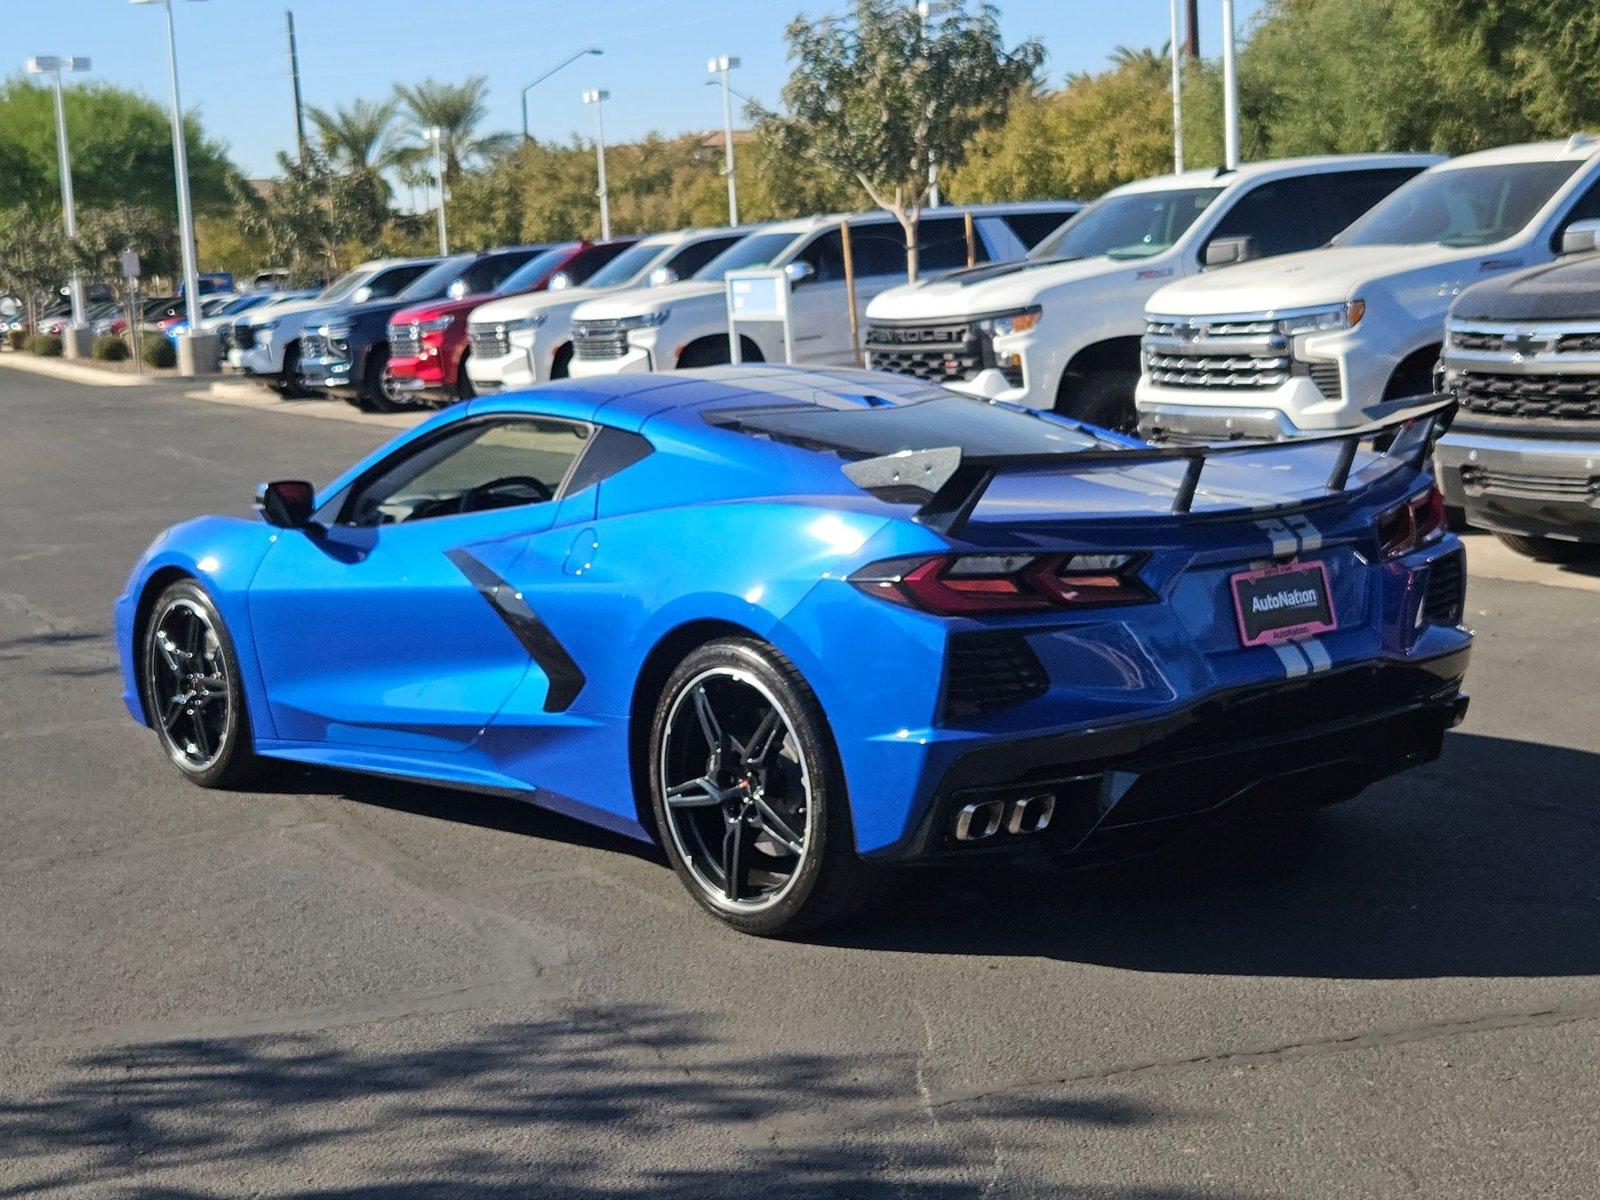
{"x": 234, "y": 61}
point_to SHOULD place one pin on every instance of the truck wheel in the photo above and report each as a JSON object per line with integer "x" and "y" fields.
{"x": 464, "y": 388}
{"x": 1550, "y": 550}
{"x": 287, "y": 384}
{"x": 377, "y": 394}
{"x": 1104, "y": 398}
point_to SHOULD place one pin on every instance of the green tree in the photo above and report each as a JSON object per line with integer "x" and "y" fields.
{"x": 891, "y": 100}
{"x": 104, "y": 233}
{"x": 121, "y": 150}
{"x": 358, "y": 136}
{"x": 34, "y": 258}
{"x": 459, "y": 110}
{"x": 314, "y": 219}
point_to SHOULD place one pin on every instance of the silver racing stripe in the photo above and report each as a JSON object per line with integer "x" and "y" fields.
{"x": 1309, "y": 535}
{"x": 1284, "y": 540}
{"x": 1294, "y": 663}
{"x": 1317, "y": 653}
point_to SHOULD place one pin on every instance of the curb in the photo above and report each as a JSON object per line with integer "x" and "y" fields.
{"x": 76, "y": 372}
{"x": 236, "y": 394}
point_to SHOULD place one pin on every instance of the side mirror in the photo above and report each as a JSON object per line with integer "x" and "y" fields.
{"x": 799, "y": 272}
{"x": 1580, "y": 237}
{"x": 361, "y": 295}
{"x": 457, "y": 289}
{"x": 662, "y": 276}
{"x": 558, "y": 281}
{"x": 1225, "y": 251}
{"x": 286, "y": 503}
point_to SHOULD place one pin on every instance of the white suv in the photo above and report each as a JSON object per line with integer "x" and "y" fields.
{"x": 523, "y": 340}
{"x": 1334, "y": 337}
{"x": 267, "y": 344}
{"x": 1061, "y": 330}
{"x": 686, "y": 324}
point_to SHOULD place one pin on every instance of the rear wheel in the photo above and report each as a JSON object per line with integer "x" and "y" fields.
{"x": 1549, "y": 549}
{"x": 1104, "y": 398}
{"x": 748, "y": 794}
{"x": 192, "y": 694}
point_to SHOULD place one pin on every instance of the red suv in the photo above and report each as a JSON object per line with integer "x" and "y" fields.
{"x": 428, "y": 342}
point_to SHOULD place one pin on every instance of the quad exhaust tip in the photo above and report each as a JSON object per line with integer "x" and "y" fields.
{"x": 985, "y": 818}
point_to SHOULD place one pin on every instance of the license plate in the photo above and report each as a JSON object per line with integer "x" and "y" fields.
{"x": 1284, "y": 602}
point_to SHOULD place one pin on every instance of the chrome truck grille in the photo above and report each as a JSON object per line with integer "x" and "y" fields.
{"x": 489, "y": 341}
{"x": 405, "y": 341}
{"x": 944, "y": 353}
{"x": 599, "y": 339}
{"x": 1525, "y": 372}
{"x": 1231, "y": 353}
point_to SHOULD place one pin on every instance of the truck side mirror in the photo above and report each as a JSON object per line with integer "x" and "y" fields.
{"x": 799, "y": 271}
{"x": 1225, "y": 251}
{"x": 1580, "y": 237}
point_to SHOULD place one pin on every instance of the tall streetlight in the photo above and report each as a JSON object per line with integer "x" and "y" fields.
{"x": 52, "y": 65}
{"x": 1230, "y": 92}
{"x": 197, "y": 351}
{"x": 721, "y": 65}
{"x": 435, "y": 135}
{"x": 1177, "y": 94}
{"x": 598, "y": 98}
{"x": 566, "y": 62}
{"x": 923, "y": 9}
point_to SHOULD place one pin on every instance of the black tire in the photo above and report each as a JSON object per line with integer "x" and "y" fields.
{"x": 373, "y": 394}
{"x": 209, "y": 741}
{"x": 1550, "y": 550}
{"x": 464, "y": 388}
{"x": 1104, "y": 398}
{"x": 561, "y": 364}
{"x": 287, "y": 384}
{"x": 755, "y": 799}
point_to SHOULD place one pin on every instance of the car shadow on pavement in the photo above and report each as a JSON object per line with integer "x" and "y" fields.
{"x": 1481, "y": 864}
{"x": 591, "y": 1105}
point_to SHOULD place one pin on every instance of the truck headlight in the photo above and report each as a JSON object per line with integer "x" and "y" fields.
{"x": 437, "y": 325}
{"x": 646, "y": 320}
{"x": 518, "y": 324}
{"x": 1005, "y": 324}
{"x": 1322, "y": 320}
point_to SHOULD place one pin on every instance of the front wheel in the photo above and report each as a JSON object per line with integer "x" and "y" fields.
{"x": 378, "y": 392}
{"x": 748, "y": 794}
{"x": 192, "y": 694}
{"x": 1549, "y": 549}
{"x": 1104, "y": 398}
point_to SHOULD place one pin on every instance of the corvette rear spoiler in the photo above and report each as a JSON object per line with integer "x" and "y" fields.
{"x": 950, "y": 484}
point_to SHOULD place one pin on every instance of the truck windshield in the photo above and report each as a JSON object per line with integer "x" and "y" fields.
{"x": 345, "y": 284}
{"x": 626, "y": 265}
{"x": 528, "y": 275}
{"x": 1134, "y": 225}
{"x": 436, "y": 280}
{"x": 757, "y": 250}
{"x": 1463, "y": 206}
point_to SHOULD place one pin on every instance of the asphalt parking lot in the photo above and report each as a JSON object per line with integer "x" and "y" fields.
{"x": 343, "y": 988}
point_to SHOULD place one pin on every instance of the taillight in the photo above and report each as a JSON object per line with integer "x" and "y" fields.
{"x": 969, "y": 584}
{"x": 1412, "y": 525}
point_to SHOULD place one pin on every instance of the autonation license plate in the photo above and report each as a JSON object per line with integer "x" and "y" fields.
{"x": 1279, "y": 603}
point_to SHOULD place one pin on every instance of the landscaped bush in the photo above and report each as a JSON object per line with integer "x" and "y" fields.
{"x": 17, "y": 338}
{"x": 45, "y": 345}
{"x": 158, "y": 351}
{"x": 109, "y": 347}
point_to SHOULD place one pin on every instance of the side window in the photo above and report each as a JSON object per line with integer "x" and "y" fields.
{"x": 825, "y": 253}
{"x": 942, "y": 244}
{"x": 691, "y": 258}
{"x": 1033, "y": 227}
{"x": 1279, "y": 217}
{"x": 488, "y": 465}
{"x": 1342, "y": 196}
{"x": 394, "y": 281}
{"x": 590, "y": 259}
{"x": 490, "y": 272}
{"x": 878, "y": 248}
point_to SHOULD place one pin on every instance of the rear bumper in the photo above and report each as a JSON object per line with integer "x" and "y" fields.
{"x": 1532, "y": 485}
{"x": 1264, "y": 748}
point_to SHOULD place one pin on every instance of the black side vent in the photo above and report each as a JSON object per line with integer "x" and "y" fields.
{"x": 989, "y": 671}
{"x": 1446, "y": 598}
{"x": 1326, "y": 376}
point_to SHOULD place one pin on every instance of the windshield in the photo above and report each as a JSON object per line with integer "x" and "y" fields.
{"x": 1463, "y": 206}
{"x": 431, "y": 284}
{"x": 536, "y": 268}
{"x": 239, "y": 303}
{"x": 757, "y": 250}
{"x": 211, "y": 306}
{"x": 628, "y": 264}
{"x": 345, "y": 284}
{"x": 1134, "y": 225}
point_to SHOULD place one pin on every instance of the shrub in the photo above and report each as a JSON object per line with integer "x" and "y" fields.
{"x": 45, "y": 345}
{"x": 158, "y": 351}
{"x": 109, "y": 347}
{"x": 17, "y": 338}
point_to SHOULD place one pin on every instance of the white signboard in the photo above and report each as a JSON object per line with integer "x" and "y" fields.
{"x": 758, "y": 295}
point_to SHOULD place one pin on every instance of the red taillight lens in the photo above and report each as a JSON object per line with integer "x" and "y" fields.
{"x": 1412, "y": 525}
{"x": 972, "y": 584}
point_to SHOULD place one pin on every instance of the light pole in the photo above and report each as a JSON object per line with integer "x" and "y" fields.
{"x": 566, "y": 62}
{"x": 1230, "y": 92}
{"x": 722, "y": 64}
{"x": 197, "y": 351}
{"x": 435, "y": 135}
{"x": 598, "y": 98}
{"x": 923, "y": 9}
{"x": 1177, "y": 95}
{"x": 50, "y": 64}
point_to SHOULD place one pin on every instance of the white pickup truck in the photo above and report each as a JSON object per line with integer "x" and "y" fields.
{"x": 1331, "y": 338}
{"x": 686, "y": 324}
{"x": 523, "y": 340}
{"x": 1061, "y": 330}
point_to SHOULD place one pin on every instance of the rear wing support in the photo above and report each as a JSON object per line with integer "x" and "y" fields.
{"x": 948, "y": 485}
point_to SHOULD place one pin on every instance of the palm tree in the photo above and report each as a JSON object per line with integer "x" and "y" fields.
{"x": 359, "y": 136}
{"x": 457, "y": 109}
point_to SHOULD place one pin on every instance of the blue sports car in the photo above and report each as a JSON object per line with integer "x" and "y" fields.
{"x": 806, "y": 627}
